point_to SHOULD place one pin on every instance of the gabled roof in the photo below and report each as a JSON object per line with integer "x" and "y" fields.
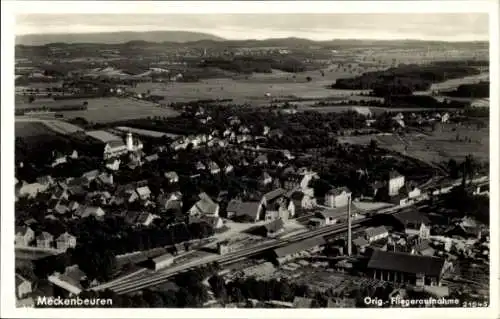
{"x": 360, "y": 241}
{"x": 394, "y": 174}
{"x": 171, "y": 175}
{"x": 21, "y": 230}
{"x": 84, "y": 211}
{"x": 338, "y": 191}
{"x": 299, "y": 246}
{"x": 143, "y": 217}
{"x": 65, "y": 236}
{"x": 274, "y": 194}
{"x": 244, "y": 208}
{"x": 334, "y": 212}
{"x": 375, "y": 231}
{"x": 261, "y": 158}
{"x": 206, "y": 205}
{"x": 403, "y": 262}
{"x": 20, "y": 279}
{"x": 412, "y": 216}
{"x": 151, "y": 158}
{"x": 143, "y": 191}
{"x": 61, "y": 209}
{"x": 91, "y": 174}
{"x": 45, "y": 236}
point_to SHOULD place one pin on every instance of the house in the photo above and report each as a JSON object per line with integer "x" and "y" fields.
{"x": 151, "y": 158}
{"x": 85, "y": 211}
{"x": 73, "y": 206}
{"x": 44, "y": 240}
{"x": 58, "y": 159}
{"x": 172, "y": 177}
{"x": 376, "y": 233}
{"x": 329, "y": 216}
{"x": 261, "y": 159}
{"x": 302, "y": 302}
{"x": 60, "y": 193}
{"x": 360, "y": 244}
{"x": 423, "y": 248}
{"x": 337, "y": 197}
{"x": 213, "y": 167}
{"x": 298, "y": 249}
{"x": 45, "y": 180}
{"x": 23, "y": 287}
{"x": 271, "y": 229}
{"x": 396, "y": 182}
{"x": 65, "y": 241}
{"x": 113, "y": 164}
{"x": 105, "y": 179}
{"x": 266, "y": 179}
{"x": 73, "y": 155}
{"x": 283, "y": 209}
{"x": 30, "y": 190}
{"x": 273, "y": 196}
{"x": 228, "y": 168}
{"x": 205, "y": 206}
{"x": 162, "y": 261}
{"x": 165, "y": 202}
{"x": 200, "y": 166}
{"x": 24, "y": 235}
{"x": 412, "y": 222}
{"x": 301, "y": 200}
{"x": 76, "y": 191}
{"x": 143, "y": 193}
{"x": 60, "y": 209}
{"x": 406, "y": 268}
{"x": 236, "y": 208}
{"x": 91, "y": 175}
{"x": 145, "y": 219}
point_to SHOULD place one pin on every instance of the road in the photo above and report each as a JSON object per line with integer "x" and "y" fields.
{"x": 148, "y": 279}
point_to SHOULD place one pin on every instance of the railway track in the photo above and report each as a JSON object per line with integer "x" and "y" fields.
{"x": 147, "y": 280}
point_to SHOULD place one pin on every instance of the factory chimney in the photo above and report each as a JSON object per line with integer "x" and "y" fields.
{"x": 349, "y": 233}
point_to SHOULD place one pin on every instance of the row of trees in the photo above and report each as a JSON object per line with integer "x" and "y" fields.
{"x": 98, "y": 242}
{"x": 405, "y": 79}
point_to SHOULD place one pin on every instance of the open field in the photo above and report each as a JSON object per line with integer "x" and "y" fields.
{"x": 107, "y": 109}
{"x": 252, "y": 88}
{"x": 30, "y": 126}
{"x": 446, "y": 142}
{"x": 29, "y": 129}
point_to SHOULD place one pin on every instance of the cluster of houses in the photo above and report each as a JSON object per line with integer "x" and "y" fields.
{"x": 25, "y": 237}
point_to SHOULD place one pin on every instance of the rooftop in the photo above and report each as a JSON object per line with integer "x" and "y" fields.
{"x": 103, "y": 136}
{"x": 299, "y": 246}
{"x": 403, "y": 262}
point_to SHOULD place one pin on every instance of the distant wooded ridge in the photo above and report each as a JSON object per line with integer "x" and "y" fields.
{"x": 206, "y": 39}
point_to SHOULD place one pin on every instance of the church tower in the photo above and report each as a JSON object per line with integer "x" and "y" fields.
{"x": 130, "y": 142}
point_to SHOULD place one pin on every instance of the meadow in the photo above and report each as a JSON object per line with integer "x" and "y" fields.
{"x": 448, "y": 141}
{"x": 107, "y": 109}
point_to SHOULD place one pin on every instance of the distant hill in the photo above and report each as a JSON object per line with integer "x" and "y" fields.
{"x": 116, "y": 37}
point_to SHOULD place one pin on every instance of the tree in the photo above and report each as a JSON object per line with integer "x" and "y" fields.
{"x": 309, "y": 79}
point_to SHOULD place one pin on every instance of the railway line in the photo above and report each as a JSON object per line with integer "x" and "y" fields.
{"x": 146, "y": 279}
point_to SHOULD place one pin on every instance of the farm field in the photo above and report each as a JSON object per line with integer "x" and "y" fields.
{"x": 253, "y": 89}
{"x": 446, "y": 142}
{"x": 110, "y": 109}
{"x": 31, "y": 128}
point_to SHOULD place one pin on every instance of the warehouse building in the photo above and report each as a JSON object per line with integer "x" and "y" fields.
{"x": 405, "y": 268}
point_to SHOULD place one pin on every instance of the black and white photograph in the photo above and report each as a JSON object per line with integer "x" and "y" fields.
{"x": 247, "y": 160}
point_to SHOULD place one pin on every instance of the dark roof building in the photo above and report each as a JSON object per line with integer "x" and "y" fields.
{"x": 299, "y": 246}
{"x": 403, "y": 267}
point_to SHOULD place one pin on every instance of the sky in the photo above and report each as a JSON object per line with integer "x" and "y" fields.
{"x": 435, "y": 26}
